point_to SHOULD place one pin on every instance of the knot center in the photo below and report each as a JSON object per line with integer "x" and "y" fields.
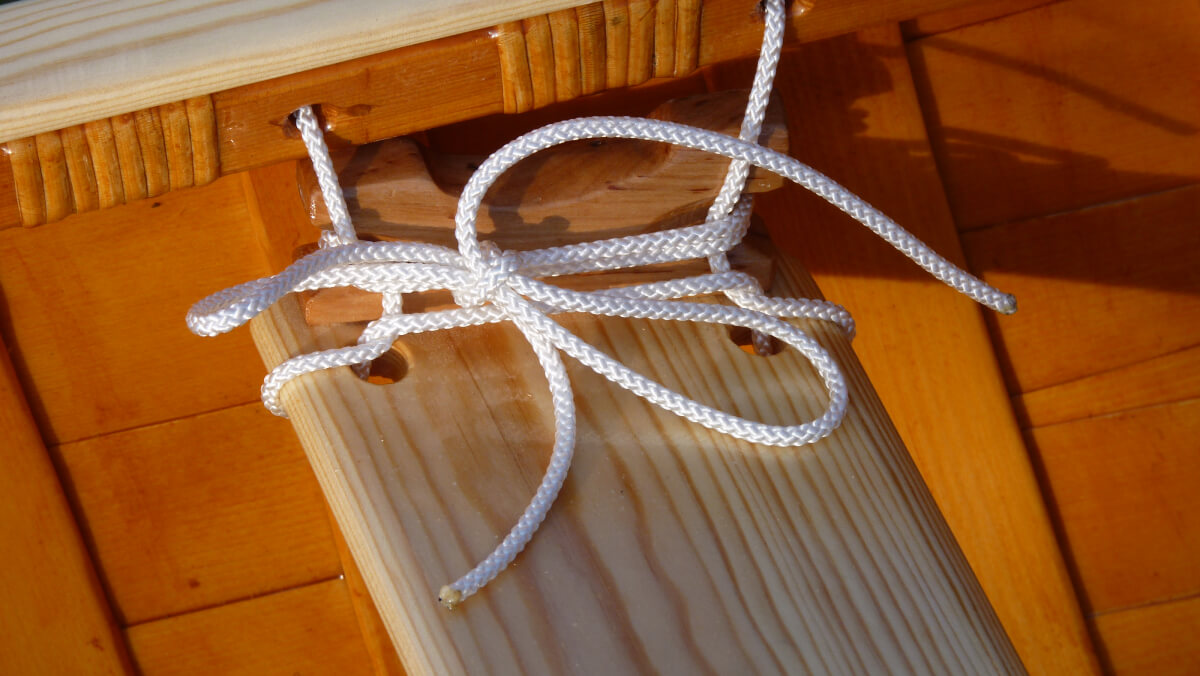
{"x": 495, "y": 267}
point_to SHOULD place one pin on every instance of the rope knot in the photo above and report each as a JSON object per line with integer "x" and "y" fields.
{"x": 493, "y": 270}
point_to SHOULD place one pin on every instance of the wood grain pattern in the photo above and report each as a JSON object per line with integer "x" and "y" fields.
{"x": 1052, "y": 109}
{"x": 154, "y": 151}
{"x": 56, "y": 184}
{"x": 397, "y": 189}
{"x": 564, "y": 33}
{"x": 199, "y": 511}
{"x": 202, "y": 132}
{"x": 925, "y": 347}
{"x": 1157, "y": 639}
{"x": 616, "y": 42}
{"x": 664, "y": 38}
{"x": 84, "y": 189}
{"x": 540, "y": 46}
{"x": 27, "y": 181}
{"x": 129, "y": 154}
{"x": 641, "y": 40}
{"x": 308, "y": 630}
{"x": 1124, "y": 489}
{"x": 94, "y": 315}
{"x": 780, "y": 545}
{"x": 593, "y": 53}
{"x": 55, "y": 618}
{"x": 514, "y": 67}
{"x": 177, "y": 139}
{"x": 1111, "y": 288}
{"x": 1170, "y": 378}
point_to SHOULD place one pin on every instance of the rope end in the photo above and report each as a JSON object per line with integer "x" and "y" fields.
{"x": 449, "y": 597}
{"x": 1008, "y": 306}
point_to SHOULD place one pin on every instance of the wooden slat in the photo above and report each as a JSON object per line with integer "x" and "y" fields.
{"x": 925, "y": 347}
{"x": 55, "y": 617}
{"x": 94, "y": 315}
{"x": 1096, "y": 287}
{"x": 1159, "y": 639}
{"x": 1124, "y": 489}
{"x": 1162, "y": 380}
{"x": 308, "y": 630}
{"x": 988, "y": 10}
{"x": 199, "y": 512}
{"x": 672, "y": 549}
{"x": 1056, "y": 108}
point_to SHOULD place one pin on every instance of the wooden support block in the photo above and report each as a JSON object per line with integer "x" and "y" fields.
{"x": 199, "y": 512}
{"x": 670, "y": 547}
{"x": 1110, "y": 284}
{"x": 1056, "y": 109}
{"x": 1124, "y": 489}
{"x": 967, "y": 15}
{"x": 55, "y": 619}
{"x": 307, "y": 630}
{"x": 94, "y": 315}
{"x": 575, "y": 192}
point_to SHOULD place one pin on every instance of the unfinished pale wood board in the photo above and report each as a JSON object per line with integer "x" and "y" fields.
{"x": 1099, "y": 289}
{"x": 1056, "y": 108}
{"x": 56, "y": 619}
{"x": 926, "y": 348}
{"x": 94, "y": 314}
{"x": 1159, "y": 639}
{"x": 1124, "y": 489}
{"x": 199, "y": 511}
{"x": 307, "y": 630}
{"x": 671, "y": 548}
{"x": 67, "y": 62}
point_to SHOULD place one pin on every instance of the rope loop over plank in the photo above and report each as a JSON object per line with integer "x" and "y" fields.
{"x": 492, "y": 285}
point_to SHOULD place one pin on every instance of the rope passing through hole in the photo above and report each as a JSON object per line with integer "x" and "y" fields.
{"x": 492, "y": 285}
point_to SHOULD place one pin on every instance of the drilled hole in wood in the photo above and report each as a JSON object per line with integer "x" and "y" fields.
{"x": 744, "y": 339}
{"x": 389, "y": 367}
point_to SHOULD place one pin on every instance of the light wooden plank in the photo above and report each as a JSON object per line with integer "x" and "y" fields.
{"x": 671, "y": 548}
{"x": 1159, "y": 639}
{"x": 94, "y": 310}
{"x": 308, "y": 630}
{"x": 1170, "y": 378}
{"x": 55, "y": 619}
{"x": 1124, "y": 489}
{"x": 852, "y": 104}
{"x": 1097, "y": 288}
{"x": 1060, "y": 107}
{"x": 200, "y": 511}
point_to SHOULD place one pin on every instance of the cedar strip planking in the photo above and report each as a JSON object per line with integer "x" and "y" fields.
{"x": 199, "y": 511}
{"x": 1055, "y": 109}
{"x": 94, "y": 311}
{"x": 306, "y": 630}
{"x": 967, "y": 15}
{"x": 925, "y": 347}
{"x": 1124, "y": 490}
{"x": 56, "y": 619}
{"x": 1098, "y": 288}
{"x": 1169, "y": 378}
{"x": 1159, "y": 639}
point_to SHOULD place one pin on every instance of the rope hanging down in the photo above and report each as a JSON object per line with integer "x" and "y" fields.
{"x": 491, "y": 285}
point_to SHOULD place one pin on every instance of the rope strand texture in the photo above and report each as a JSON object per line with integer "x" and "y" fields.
{"x": 491, "y": 285}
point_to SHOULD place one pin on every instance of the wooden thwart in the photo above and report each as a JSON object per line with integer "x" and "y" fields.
{"x": 671, "y": 548}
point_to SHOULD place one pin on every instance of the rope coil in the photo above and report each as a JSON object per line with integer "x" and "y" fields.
{"x": 492, "y": 285}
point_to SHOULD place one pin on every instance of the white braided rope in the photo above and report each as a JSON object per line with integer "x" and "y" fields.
{"x": 491, "y": 285}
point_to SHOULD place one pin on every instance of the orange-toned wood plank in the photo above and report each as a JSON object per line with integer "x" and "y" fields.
{"x": 1099, "y": 289}
{"x": 616, "y": 42}
{"x": 1159, "y": 639}
{"x": 1124, "y": 489}
{"x": 664, "y": 38}
{"x": 177, "y": 140}
{"x": 200, "y": 511}
{"x": 1056, "y": 109}
{"x": 202, "y": 129}
{"x": 129, "y": 152}
{"x": 539, "y": 46}
{"x": 564, "y": 31}
{"x": 55, "y": 619}
{"x": 979, "y": 12}
{"x": 925, "y": 347}
{"x": 94, "y": 312}
{"x": 154, "y": 151}
{"x": 1172, "y": 377}
{"x": 308, "y": 630}
{"x": 593, "y": 61}
{"x": 641, "y": 41}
